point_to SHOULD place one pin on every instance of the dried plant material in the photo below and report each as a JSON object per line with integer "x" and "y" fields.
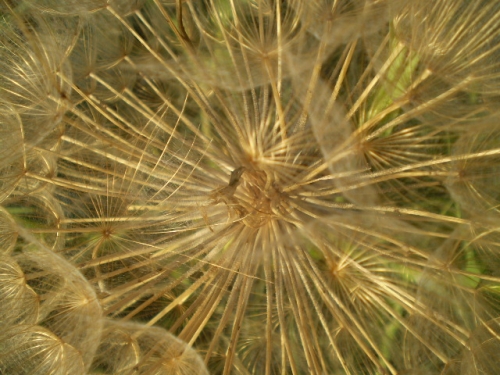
{"x": 128, "y": 348}
{"x": 285, "y": 186}
{"x": 41, "y": 213}
{"x": 82, "y": 8}
{"x": 33, "y": 350}
{"x": 20, "y": 303}
{"x": 8, "y": 232}
{"x": 65, "y": 303}
{"x": 474, "y": 175}
{"x": 33, "y": 84}
{"x": 481, "y": 356}
{"x": 458, "y": 40}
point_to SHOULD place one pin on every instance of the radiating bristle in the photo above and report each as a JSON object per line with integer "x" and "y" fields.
{"x": 34, "y": 350}
{"x": 249, "y": 187}
{"x": 459, "y": 40}
{"x": 128, "y": 348}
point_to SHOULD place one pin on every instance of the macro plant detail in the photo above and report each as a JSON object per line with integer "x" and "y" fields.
{"x": 249, "y": 187}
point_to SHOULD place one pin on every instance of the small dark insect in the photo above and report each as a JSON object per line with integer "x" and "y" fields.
{"x": 234, "y": 180}
{"x": 225, "y": 193}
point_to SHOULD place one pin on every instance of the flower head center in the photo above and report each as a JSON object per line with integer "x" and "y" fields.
{"x": 254, "y": 196}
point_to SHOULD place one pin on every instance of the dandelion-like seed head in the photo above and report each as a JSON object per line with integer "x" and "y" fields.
{"x": 303, "y": 187}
